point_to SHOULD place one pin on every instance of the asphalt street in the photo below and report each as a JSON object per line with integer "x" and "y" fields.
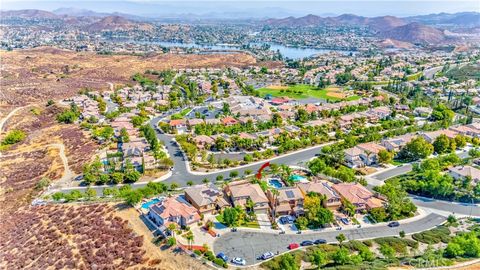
{"x": 250, "y": 245}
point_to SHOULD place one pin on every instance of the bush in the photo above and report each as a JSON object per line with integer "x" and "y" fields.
{"x": 13, "y": 137}
{"x": 433, "y": 236}
{"x": 219, "y": 262}
{"x": 209, "y": 255}
{"x": 398, "y": 244}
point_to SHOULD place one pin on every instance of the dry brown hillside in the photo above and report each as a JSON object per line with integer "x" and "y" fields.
{"x": 40, "y": 74}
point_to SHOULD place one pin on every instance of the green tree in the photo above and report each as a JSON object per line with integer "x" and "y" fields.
{"x": 301, "y": 223}
{"x": 190, "y": 183}
{"x": 319, "y": 258}
{"x": 341, "y": 238}
{"x": 133, "y": 197}
{"x": 387, "y": 251}
{"x": 90, "y": 193}
{"x": 230, "y": 216}
{"x": 416, "y": 149}
{"x": 341, "y": 256}
{"x": 442, "y": 144}
{"x": 171, "y": 241}
{"x": 385, "y": 156}
{"x": 233, "y": 174}
{"x": 288, "y": 262}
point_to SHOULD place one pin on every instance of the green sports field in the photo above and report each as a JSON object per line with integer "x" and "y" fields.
{"x": 301, "y": 91}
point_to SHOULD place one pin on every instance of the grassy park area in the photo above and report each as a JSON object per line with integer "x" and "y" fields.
{"x": 301, "y": 91}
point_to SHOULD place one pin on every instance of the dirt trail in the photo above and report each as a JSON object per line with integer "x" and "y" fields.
{"x": 4, "y": 120}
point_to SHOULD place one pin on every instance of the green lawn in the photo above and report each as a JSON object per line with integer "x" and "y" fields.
{"x": 181, "y": 114}
{"x": 253, "y": 224}
{"x": 301, "y": 91}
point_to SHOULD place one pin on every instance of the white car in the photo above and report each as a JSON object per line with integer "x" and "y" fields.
{"x": 239, "y": 261}
{"x": 267, "y": 255}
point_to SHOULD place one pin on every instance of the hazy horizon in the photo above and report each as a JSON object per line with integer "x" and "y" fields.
{"x": 253, "y": 9}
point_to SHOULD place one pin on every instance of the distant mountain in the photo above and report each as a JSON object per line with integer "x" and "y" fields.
{"x": 377, "y": 23}
{"x": 116, "y": 23}
{"x": 415, "y": 33}
{"x": 460, "y": 19}
{"x": 76, "y": 12}
{"x": 29, "y": 13}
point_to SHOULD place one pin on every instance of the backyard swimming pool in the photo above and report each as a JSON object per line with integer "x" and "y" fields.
{"x": 274, "y": 182}
{"x": 146, "y": 205}
{"x": 298, "y": 178}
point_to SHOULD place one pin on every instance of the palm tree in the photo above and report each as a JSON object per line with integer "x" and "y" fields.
{"x": 274, "y": 197}
{"x": 171, "y": 228}
{"x": 189, "y": 237}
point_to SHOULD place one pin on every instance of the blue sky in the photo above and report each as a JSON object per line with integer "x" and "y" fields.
{"x": 254, "y": 8}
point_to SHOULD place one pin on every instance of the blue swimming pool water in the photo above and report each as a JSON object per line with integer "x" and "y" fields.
{"x": 275, "y": 183}
{"x": 146, "y": 205}
{"x": 297, "y": 178}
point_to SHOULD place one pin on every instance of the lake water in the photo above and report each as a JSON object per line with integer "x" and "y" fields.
{"x": 288, "y": 52}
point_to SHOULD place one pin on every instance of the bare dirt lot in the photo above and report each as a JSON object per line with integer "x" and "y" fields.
{"x": 44, "y": 73}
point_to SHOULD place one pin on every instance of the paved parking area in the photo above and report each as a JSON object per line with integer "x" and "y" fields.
{"x": 250, "y": 245}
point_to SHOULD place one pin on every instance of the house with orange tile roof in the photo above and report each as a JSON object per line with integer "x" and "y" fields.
{"x": 364, "y": 154}
{"x": 359, "y": 196}
{"x": 229, "y": 121}
{"x": 173, "y": 210}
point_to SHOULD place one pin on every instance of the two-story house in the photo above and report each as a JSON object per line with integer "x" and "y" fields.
{"x": 173, "y": 210}
{"x": 207, "y": 199}
{"x": 332, "y": 199}
{"x": 242, "y": 191}
{"x": 288, "y": 201}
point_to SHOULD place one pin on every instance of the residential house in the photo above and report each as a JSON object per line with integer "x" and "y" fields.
{"x": 207, "y": 199}
{"x": 289, "y": 201}
{"x": 203, "y": 141}
{"x": 462, "y": 172}
{"x": 173, "y": 210}
{"x": 229, "y": 121}
{"x": 242, "y": 191}
{"x": 431, "y": 136}
{"x": 358, "y": 195}
{"x": 332, "y": 199}
{"x": 397, "y": 143}
{"x": 363, "y": 154}
{"x": 178, "y": 125}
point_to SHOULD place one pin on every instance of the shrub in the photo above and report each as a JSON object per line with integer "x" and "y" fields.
{"x": 433, "y": 236}
{"x": 209, "y": 255}
{"x": 13, "y": 137}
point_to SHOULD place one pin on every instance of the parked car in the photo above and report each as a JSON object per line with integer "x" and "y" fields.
{"x": 222, "y": 256}
{"x": 234, "y": 229}
{"x": 282, "y": 232}
{"x": 393, "y": 224}
{"x": 293, "y": 246}
{"x": 306, "y": 243}
{"x": 266, "y": 256}
{"x": 344, "y": 221}
{"x": 238, "y": 261}
{"x": 320, "y": 241}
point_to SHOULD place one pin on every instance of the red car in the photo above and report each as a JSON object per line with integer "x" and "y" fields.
{"x": 293, "y": 246}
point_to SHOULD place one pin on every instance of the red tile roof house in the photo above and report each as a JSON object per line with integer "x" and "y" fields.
{"x": 359, "y": 196}
{"x": 461, "y": 172}
{"x": 173, "y": 210}
{"x": 178, "y": 125}
{"x": 229, "y": 121}
{"x": 289, "y": 201}
{"x": 332, "y": 201}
